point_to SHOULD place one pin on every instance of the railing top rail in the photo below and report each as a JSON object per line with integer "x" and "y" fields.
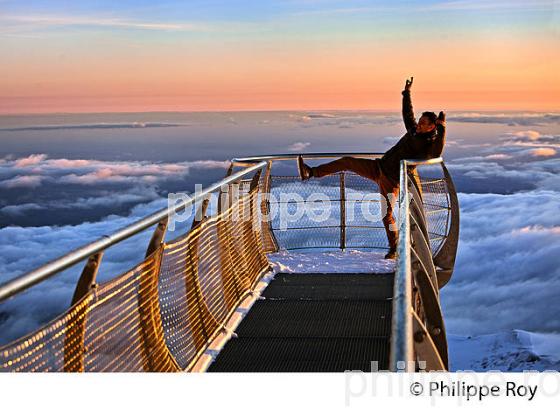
{"x": 431, "y": 161}
{"x": 401, "y": 339}
{"x": 247, "y": 161}
{"x": 308, "y": 155}
{"x": 55, "y": 266}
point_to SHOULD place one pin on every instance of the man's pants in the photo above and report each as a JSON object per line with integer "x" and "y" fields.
{"x": 369, "y": 168}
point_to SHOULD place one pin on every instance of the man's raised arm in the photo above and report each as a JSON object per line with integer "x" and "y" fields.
{"x": 407, "y": 110}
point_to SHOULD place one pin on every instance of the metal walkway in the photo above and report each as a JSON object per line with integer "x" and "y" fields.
{"x": 314, "y": 323}
{"x": 173, "y": 309}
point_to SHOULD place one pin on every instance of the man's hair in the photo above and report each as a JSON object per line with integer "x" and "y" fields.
{"x": 430, "y": 115}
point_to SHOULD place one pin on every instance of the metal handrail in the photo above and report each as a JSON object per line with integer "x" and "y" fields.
{"x": 55, "y": 266}
{"x": 322, "y": 155}
{"x": 402, "y": 348}
{"x": 243, "y": 161}
{"x": 401, "y": 324}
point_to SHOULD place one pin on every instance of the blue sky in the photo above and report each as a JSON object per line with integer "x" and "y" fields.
{"x": 514, "y": 12}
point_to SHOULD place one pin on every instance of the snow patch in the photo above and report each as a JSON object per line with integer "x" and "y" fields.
{"x": 511, "y": 351}
{"x": 348, "y": 261}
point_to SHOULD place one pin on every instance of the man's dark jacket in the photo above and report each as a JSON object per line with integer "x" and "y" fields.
{"x": 412, "y": 145}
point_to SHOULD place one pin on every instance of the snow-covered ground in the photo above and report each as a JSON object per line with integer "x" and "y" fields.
{"x": 514, "y": 350}
{"x": 348, "y": 261}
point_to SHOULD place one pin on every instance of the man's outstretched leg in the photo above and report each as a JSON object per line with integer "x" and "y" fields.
{"x": 366, "y": 168}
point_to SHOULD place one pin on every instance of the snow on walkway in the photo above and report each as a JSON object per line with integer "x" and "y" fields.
{"x": 348, "y": 261}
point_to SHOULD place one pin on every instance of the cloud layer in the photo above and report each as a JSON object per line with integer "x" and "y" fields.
{"x": 24, "y": 249}
{"x": 36, "y": 168}
{"x": 519, "y": 160}
{"x": 507, "y": 275}
{"x": 37, "y": 190}
{"x": 108, "y": 126}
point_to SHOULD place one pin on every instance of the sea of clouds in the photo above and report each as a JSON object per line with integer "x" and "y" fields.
{"x": 507, "y": 272}
{"x": 506, "y": 277}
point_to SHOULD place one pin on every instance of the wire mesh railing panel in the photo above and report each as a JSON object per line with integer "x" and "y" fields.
{"x": 365, "y": 208}
{"x": 367, "y": 238}
{"x": 305, "y": 214}
{"x": 124, "y": 326}
{"x": 182, "y": 319}
{"x": 215, "y": 289}
{"x": 435, "y": 200}
{"x": 337, "y": 211}
{"x": 205, "y": 274}
{"x": 111, "y": 329}
{"x": 250, "y": 231}
{"x": 287, "y": 185}
{"x": 43, "y": 350}
{"x": 162, "y": 314}
{"x": 354, "y": 182}
{"x": 355, "y": 205}
{"x": 307, "y": 238}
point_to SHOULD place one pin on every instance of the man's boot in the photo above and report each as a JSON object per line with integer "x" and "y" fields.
{"x": 392, "y": 254}
{"x": 305, "y": 171}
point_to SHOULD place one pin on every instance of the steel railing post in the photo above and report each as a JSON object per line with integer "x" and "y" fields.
{"x": 75, "y": 332}
{"x": 157, "y": 237}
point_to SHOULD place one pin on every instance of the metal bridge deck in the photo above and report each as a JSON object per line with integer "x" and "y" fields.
{"x": 314, "y": 323}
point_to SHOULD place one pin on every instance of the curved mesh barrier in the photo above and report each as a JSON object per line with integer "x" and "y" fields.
{"x": 160, "y": 315}
{"x": 355, "y": 210}
{"x": 43, "y": 350}
{"x": 105, "y": 331}
{"x": 436, "y": 204}
{"x": 205, "y": 274}
{"x": 331, "y": 204}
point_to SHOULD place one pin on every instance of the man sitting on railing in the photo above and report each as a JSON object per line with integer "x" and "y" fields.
{"x": 424, "y": 139}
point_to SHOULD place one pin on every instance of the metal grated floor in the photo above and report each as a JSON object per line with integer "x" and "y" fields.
{"x": 314, "y": 323}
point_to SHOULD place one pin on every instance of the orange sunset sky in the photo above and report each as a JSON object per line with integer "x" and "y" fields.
{"x": 287, "y": 55}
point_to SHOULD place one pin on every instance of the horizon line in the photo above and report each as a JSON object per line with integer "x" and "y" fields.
{"x": 206, "y": 111}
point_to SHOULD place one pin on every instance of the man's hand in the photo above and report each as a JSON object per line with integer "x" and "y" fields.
{"x": 441, "y": 118}
{"x": 408, "y": 84}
